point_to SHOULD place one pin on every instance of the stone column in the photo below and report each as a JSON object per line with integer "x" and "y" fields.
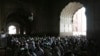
{"x": 90, "y": 20}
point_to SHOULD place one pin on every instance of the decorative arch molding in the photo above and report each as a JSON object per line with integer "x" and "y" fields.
{"x": 71, "y": 8}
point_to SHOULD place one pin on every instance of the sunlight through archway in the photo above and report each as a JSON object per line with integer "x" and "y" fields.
{"x": 79, "y": 22}
{"x": 12, "y": 29}
{"x": 73, "y": 20}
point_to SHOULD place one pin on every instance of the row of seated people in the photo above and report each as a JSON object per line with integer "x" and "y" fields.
{"x": 48, "y": 46}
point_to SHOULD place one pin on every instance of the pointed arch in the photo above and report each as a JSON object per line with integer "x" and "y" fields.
{"x": 66, "y": 18}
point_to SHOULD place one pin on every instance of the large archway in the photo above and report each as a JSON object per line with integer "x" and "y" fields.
{"x": 66, "y": 19}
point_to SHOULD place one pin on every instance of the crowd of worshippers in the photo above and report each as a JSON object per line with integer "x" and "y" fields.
{"x": 48, "y": 46}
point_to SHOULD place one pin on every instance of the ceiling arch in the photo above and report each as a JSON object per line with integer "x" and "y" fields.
{"x": 69, "y": 10}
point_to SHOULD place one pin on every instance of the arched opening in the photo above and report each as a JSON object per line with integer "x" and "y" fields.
{"x": 73, "y": 20}
{"x": 12, "y": 29}
{"x": 22, "y": 19}
{"x": 79, "y": 22}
